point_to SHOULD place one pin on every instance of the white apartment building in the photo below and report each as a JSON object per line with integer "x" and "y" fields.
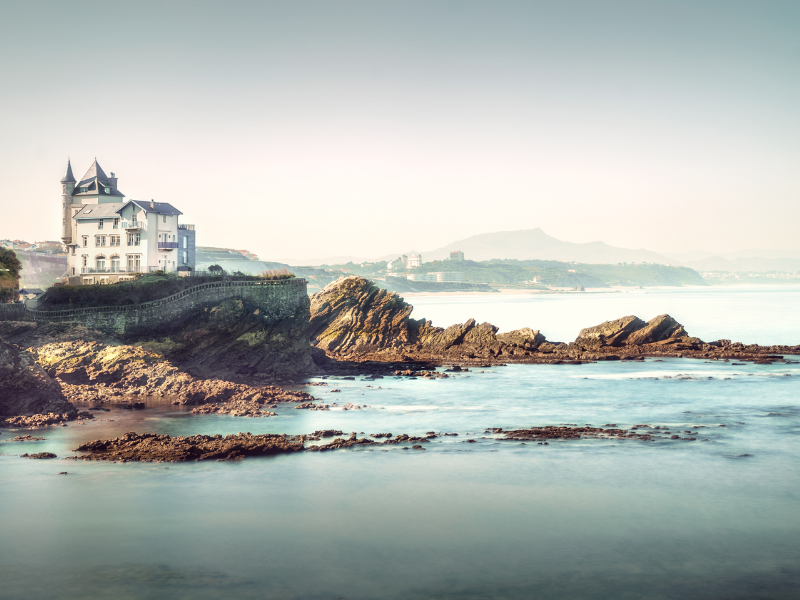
{"x": 110, "y": 239}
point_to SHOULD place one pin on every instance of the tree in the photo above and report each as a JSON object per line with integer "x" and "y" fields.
{"x": 216, "y": 269}
{"x": 10, "y": 266}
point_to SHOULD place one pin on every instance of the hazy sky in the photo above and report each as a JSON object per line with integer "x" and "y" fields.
{"x": 313, "y": 129}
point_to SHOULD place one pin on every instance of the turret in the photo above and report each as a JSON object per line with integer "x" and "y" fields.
{"x": 67, "y": 188}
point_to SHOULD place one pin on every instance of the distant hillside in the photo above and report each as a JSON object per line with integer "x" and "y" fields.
{"x": 531, "y": 244}
{"x": 233, "y": 261}
{"x": 41, "y": 270}
{"x": 757, "y": 264}
{"x": 561, "y": 274}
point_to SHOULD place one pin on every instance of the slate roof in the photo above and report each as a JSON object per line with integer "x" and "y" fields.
{"x": 31, "y": 291}
{"x": 160, "y": 208}
{"x": 68, "y": 176}
{"x": 96, "y": 180}
{"x": 107, "y": 210}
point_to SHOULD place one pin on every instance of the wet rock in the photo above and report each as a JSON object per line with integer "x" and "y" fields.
{"x": 150, "y": 447}
{"x": 26, "y": 438}
{"x": 39, "y": 455}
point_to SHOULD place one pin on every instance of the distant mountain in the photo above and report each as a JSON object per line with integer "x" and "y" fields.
{"x": 741, "y": 260}
{"x": 754, "y": 264}
{"x": 532, "y": 244}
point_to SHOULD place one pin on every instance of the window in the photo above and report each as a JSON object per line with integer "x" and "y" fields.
{"x": 134, "y": 239}
{"x": 100, "y": 262}
{"x": 85, "y": 241}
{"x": 84, "y": 189}
{"x": 115, "y": 264}
{"x": 134, "y": 262}
{"x": 116, "y": 224}
{"x": 73, "y": 270}
{"x": 107, "y": 190}
{"x": 97, "y": 240}
{"x": 115, "y": 240}
{"x": 185, "y": 257}
{"x": 165, "y": 218}
{"x": 185, "y": 242}
{"x": 102, "y": 240}
{"x": 85, "y": 260}
{"x": 100, "y": 224}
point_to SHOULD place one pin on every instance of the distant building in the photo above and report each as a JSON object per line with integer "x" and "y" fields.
{"x": 440, "y": 276}
{"x": 456, "y": 255}
{"x": 413, "y": 261}
{"x": 398, "y": 263}
{"x": 449, "y": 276}
{"x": 110, "y": 239}
{"x": 421, "y": 277}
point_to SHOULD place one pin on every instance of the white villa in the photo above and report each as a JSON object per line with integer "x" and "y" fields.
{"x": 109, "y": 239}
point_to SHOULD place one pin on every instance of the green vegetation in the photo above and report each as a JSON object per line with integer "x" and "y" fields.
{"x": 10, "y": 266}
{"x": 552, "y": 273}
{"x": 146, "y": 288}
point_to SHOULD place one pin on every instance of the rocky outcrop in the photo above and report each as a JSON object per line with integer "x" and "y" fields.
{"x": 99, "y": 372}
{"x": 236, "y": 337}
{"x": 150, "y": 447}
{"x": 353, "y": 320}
{"x": 631, "y": 331}
{"x": 353, "y": 315}
{"x": 26, "y": 389}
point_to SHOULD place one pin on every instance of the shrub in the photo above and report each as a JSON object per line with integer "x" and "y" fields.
{"x": 273, "y": 274}
{"x": 10, "y": 266}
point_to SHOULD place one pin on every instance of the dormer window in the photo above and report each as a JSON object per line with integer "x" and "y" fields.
{"x": 107, "y": 190}
{"x": 84, "y": 189}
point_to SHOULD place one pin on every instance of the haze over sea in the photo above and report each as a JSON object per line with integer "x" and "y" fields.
{"x": 591, "y": 519}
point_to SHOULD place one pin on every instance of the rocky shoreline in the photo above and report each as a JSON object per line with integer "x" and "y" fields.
{"x": 354, "y": 328}
{"x": 355, "y": 322}
{"x": 150, "y": 447}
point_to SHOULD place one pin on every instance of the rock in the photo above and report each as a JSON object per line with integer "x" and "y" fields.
{"x": 40, "y": 455}
{"x": 42, "y": 420}
{"x": 26, "y": 438}
{"x": 26, "y": 389}
{"x": 150, "y": 447}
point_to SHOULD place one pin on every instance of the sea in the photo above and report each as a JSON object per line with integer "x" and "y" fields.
{"x": 713, "y": 518}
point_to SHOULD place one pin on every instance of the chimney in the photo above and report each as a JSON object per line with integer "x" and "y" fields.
{"x": 152, "y": 204}
{"x": 113, "y": 180}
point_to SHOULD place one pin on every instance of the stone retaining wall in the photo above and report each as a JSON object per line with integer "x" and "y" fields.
{"x": 275, "y": 299}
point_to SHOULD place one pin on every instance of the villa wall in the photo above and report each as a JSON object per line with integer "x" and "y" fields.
{"x": 275, "y": 300}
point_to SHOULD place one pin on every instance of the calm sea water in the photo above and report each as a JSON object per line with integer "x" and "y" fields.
{"x": 590, "y": 519}
{"x": 750, "y": 314}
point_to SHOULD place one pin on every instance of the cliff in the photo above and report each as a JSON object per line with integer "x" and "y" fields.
{"x": 26, "y": 388}
{"x": 353, "y": 320}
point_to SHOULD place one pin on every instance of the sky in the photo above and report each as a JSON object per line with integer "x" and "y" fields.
{"x": 315, "y": 129}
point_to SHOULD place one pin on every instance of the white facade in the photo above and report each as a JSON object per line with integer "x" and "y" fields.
{"x": 109, "y": 239}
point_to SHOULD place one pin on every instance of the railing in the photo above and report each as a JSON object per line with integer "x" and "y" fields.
{"x": 167, "y": 245}
{"x": 134, "y": 224}
{"x": 189, "y": 227}
{"x": 85, "y": 270}
{"x": 196, "y": 289}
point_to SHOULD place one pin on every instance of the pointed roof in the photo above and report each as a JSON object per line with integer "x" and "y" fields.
{"x": 95, "y": 171}
{"x": 68, "y": 176}
{"x": 96, "y": 182}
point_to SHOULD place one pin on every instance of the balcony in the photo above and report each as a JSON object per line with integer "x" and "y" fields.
{"x": 134, "y": 225}
{"x": 169, "y": 246}
{"x": 139, "y": 269}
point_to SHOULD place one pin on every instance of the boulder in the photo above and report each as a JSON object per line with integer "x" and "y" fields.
{"x": 26, "y": 388}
